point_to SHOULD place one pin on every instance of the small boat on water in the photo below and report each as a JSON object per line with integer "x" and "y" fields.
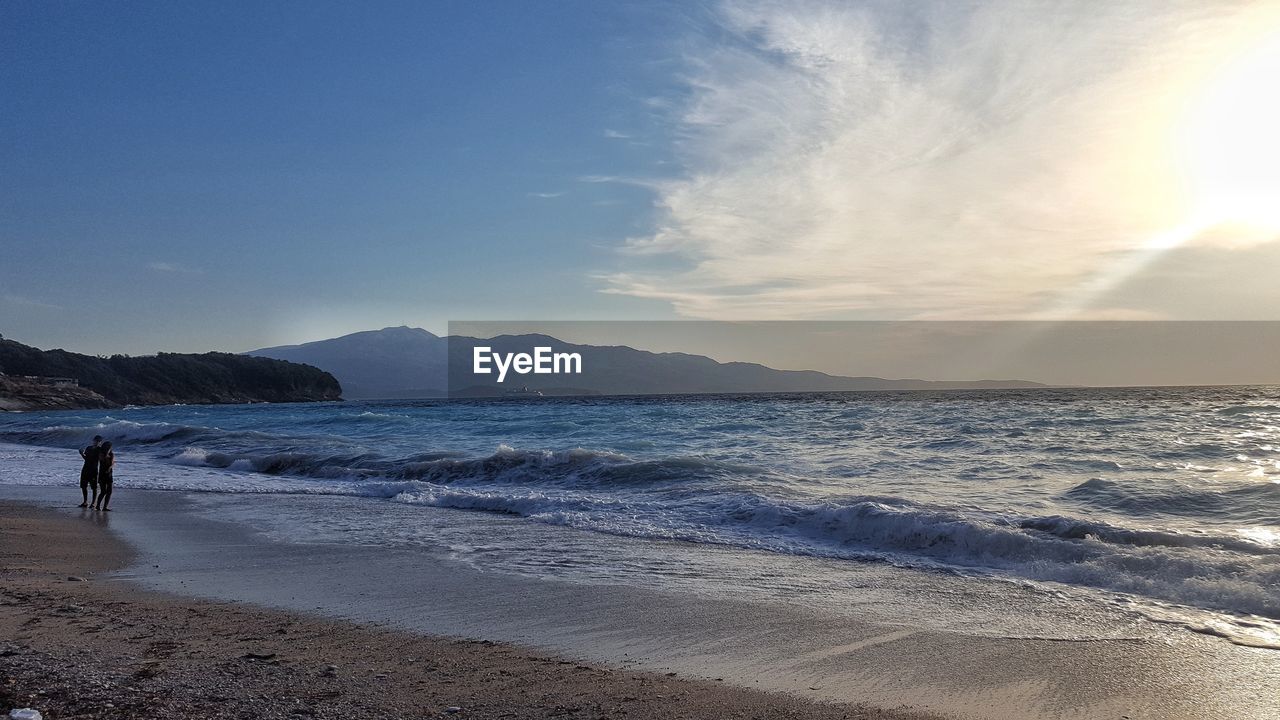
{"x": 525, "y": 392}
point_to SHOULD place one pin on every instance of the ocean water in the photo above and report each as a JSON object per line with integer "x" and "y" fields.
{"x": 1163, "y": 500}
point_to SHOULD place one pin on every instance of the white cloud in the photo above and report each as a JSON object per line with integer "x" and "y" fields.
{"x": 168, "y": 267}
{"x": 938, "y": 159}
{"x": 26, "y": 302}
{"x": 648, "y": 183}
{"x": 546, "y": 195}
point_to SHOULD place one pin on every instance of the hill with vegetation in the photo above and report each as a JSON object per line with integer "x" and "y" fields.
{"x": 37, "y": 378}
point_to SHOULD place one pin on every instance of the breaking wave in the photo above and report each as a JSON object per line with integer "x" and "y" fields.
{"x": 1161, "y": 500}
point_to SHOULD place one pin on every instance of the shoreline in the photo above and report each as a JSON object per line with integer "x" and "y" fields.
{"x": 941, "y": 654}
{"x": 220, "y": 556}
{"x": 99, "y": 647}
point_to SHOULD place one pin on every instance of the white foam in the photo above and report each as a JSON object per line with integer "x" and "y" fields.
{"x": 192, "y": 456}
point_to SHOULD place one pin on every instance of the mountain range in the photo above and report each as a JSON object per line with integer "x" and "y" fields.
{"x": 404, "y": 362}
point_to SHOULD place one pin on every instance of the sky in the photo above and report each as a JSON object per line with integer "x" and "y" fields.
{"x": 195, "y": 176}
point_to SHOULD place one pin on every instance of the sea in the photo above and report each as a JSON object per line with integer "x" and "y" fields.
{"x": 1163, "y": 502}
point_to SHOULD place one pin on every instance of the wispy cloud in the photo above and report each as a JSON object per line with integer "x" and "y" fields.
{"x": 22, "y": 301}
{"x": 616, "y": 135}
{"x": 931, "y": 159}
{"x": 650, "y": 183}
{"x": 169, "y": 267}
{"x": 546, "y": 195}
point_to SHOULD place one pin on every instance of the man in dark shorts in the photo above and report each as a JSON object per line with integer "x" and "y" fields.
{"x": 89, "y": 473}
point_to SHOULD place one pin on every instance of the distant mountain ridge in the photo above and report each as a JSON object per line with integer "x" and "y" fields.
{"x": 52, "y": 379}
{"x": 404, "y": 362}
{"x": 395, "y": 362}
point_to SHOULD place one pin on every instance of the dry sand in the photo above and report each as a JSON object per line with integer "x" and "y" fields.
{"x": 79, "y": 644}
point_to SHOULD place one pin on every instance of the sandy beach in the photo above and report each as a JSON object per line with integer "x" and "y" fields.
{"x": 183, "y": 605}
{"x": 79, "y": 644}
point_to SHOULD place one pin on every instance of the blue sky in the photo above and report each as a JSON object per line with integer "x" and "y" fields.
{"x": 228, "y": 175}
{"x": 192, "y": 176}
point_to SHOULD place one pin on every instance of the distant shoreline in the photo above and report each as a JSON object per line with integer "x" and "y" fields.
{"x": 56, "y": 405}
{"x": 34, "y": 379}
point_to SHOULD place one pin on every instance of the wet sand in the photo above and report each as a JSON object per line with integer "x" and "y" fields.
{"x": 532, "y": 646}
{"x": 79, "y": 643}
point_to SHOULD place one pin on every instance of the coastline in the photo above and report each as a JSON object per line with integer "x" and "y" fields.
{"x": 198, "y": 555}
{"x": 82, "y": 643}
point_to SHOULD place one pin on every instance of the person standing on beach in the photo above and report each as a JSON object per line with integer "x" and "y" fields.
{"x": 89, "y": 473}
{"x": 106, "y": 461}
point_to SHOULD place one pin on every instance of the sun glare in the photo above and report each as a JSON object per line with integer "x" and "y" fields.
{"x": 1232, "y": 141}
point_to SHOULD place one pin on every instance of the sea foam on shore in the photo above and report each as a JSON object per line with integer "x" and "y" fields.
{"x": 1160, "y": 498}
